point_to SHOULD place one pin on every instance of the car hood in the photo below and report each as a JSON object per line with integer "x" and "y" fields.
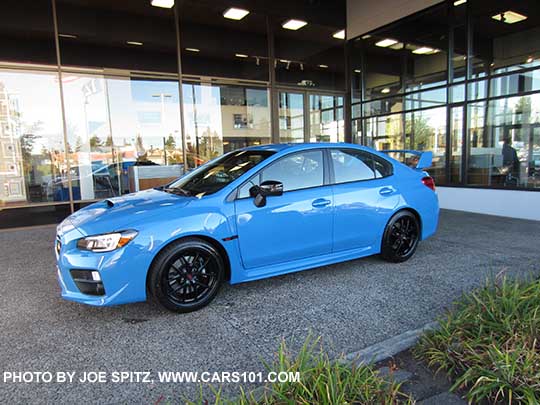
{"x": 121, "y": 213}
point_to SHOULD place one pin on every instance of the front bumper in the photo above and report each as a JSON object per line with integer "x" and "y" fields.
{"x": 121, "y": 273}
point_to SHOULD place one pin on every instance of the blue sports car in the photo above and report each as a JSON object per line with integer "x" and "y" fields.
{"x": 253, "y": 213}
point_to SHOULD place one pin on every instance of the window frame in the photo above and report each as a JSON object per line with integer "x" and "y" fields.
{"x": 326, "y": 172}
{"x": 371, "y": 155}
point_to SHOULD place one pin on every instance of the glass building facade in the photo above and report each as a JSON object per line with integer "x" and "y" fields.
{"x": 90, "y": 91}
{"x": 461, "y": 79}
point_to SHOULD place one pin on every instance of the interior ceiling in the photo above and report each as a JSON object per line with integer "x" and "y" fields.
{"x": 324, "y": 17}
{"x": 323, "y": 12}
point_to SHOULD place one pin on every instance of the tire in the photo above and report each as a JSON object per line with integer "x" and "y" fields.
{"x": 186, "y": 275}
{"x": 401, "y": 237}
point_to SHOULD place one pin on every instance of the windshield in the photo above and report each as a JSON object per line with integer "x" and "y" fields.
{"x": 215, "y": 175}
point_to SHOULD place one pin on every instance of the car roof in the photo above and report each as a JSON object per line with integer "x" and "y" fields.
{"x": 278, "y": 147}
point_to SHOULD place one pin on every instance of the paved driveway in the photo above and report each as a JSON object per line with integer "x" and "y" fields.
{"x": 351, "y": 305}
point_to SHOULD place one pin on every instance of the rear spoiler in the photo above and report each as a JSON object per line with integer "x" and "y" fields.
{"x": 420, "y": 160}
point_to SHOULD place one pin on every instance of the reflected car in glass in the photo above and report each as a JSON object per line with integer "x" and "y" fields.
{"x": 257, "y": 212}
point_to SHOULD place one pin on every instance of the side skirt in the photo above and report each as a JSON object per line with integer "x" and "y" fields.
{"x": 300, "y": 265}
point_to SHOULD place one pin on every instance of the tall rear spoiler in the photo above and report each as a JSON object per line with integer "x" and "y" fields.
{"x": 420, "y": 160}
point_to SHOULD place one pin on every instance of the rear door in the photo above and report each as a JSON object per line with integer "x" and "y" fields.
{"x": 295, "y": 225}
{"x": 364, "y": 198}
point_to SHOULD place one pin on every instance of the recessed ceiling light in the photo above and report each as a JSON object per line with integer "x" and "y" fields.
{"x": 68, "y": 36}
{"x": 399, "y": 45}
{"x": 423, "y": 50}
{"x": 163, "y": 3}
{"x": 509, "y": 17}
{"x": 367, "y": 36}
{"x": 357, "y": 71}
{"x": 339, "y": 34}
{"x": 323, "y": 66}
{"x": 240, "y": 55}
{"x": 459, "y": 2}
{"x": 530, "y": 59}
{"x": 234, "y": 13}
{"x": 193, "y": 49}
{"x": 134, "y": 43}
{"x": 293, "y": 24}
{"x": 385, "y": 90}
{"x": 386, "y": 43}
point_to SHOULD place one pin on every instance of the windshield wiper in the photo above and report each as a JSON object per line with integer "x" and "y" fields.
{"x": 177, "y": 191}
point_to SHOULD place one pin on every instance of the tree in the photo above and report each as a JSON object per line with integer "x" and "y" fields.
{"x": 109, "y": 141}
{"x": 95, "y": 142}
{"x": 170, "y": 143}
{"x": 78, "y": 144}
{"x": 422, "y": 133}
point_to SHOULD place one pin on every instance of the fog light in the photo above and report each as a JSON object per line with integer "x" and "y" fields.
{"x": 88, "y": 281}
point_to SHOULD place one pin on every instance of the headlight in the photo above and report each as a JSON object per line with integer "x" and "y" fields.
{"x": 106, "y": 242}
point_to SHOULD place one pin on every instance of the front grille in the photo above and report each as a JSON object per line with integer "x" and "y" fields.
{"x": 86, "y": 283}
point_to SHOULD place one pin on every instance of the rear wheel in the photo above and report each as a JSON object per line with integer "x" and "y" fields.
{"x": 400, "y": 237}
{"x": 187, "y": 275}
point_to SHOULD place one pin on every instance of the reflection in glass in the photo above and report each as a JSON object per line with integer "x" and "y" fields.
{"x": 32, "y": 154}
{"x": 396, "y": 61}
{"x": 223, "y": 118}
{"x": 145, "y": 124}
{"x": 291, "y": 117}
{"x": 385, "y": 132}
{"x": 505, "y": 142}
{"x": 89, "y": 137}
{"x": 326, "y": 118}
{"x": 456, "y": 147}
{"x": 426, "y": 130}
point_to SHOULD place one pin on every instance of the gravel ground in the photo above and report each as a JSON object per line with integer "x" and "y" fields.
{"x": 351, "y": 305}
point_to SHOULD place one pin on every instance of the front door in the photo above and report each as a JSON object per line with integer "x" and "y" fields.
{"x": 295, "y": 225}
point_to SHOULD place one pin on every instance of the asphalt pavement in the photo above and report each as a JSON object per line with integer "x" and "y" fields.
{"x": 350, "y": 305}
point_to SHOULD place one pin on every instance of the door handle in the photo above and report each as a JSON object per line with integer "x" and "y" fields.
{"x": 321, "y": 202}
{"x": 386, "y": 190}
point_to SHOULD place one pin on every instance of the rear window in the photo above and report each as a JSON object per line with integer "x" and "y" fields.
{"x": 356, "y": 165}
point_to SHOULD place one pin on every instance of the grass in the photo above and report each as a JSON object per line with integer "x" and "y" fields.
{"x": 490, "y": 343}
{"x": 322, "y": 382}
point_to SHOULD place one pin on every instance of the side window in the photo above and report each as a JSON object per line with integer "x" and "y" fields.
{"x": 382, "y": 167}
{"x": 297, "y": 171}
{"x": 352, "y": 165}
{"x": 243, "y": 192}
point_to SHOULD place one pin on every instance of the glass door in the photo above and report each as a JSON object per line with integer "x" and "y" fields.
{"x": 307, "y": 116}
{"x": 326, "y": 118}
{"x": 291, "y": 117}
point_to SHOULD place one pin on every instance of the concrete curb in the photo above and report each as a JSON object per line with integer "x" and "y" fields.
{"x": 389, "y": 347}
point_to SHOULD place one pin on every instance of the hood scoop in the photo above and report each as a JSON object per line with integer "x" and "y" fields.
{"x": 110, "y": 203}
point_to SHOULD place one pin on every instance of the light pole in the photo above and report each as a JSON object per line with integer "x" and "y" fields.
{"x": 162, "y": 97}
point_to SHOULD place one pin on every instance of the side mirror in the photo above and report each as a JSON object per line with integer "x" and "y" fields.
{"x": 267, "y": 188}
{"x": 271, "y": 188}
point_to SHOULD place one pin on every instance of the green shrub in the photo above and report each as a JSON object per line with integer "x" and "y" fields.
{"x": 322, "y": 382}
{"x": 490, "y": 343}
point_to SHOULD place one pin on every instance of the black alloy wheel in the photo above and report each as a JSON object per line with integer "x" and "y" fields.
{"x": 401, "y": 237}
{"x": 186, "y": 275}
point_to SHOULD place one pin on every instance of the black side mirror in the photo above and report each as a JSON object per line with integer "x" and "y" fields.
{"x": 267, "y": 188}
{"x": 271, "y": 188}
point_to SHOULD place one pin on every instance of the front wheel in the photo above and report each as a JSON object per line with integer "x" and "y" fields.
{"x": 186, "y": 275}
{"x": 400, "y": 237}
